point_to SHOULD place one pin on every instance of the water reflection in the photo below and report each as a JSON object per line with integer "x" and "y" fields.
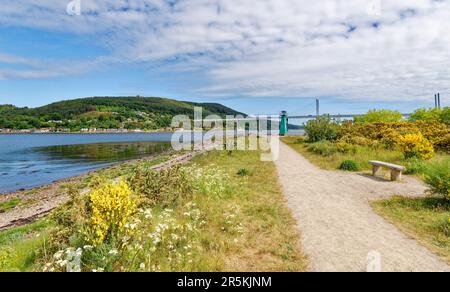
{"x": 34, "y": 166}
{"x": 102, "y": 152}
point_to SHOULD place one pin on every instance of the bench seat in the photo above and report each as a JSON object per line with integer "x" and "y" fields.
{"x": 396, "y": 170}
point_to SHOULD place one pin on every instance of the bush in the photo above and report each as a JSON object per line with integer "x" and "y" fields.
{"x": 437, "y": 176}
{"x": 387, "y": 134}
{"x": 445, "y": 116}
{"x": 110, "y": 206}
{"x": 437, "y": 133}
{"x": 445, "y": 227}
{"x": 346, "y": 148}
{"x": 243, "y": 172}
{"x": 322, "y": 128}
{"x": 377, "y": 116}
{"x": 349, "y": 165}
{"x": 432, "y": 115}
{"x": 300, "y": 140}
{"x": 415, "y": 145}
{"x": 324, "y": 148}
{"x": 424, "y": 114}
{"x": 356, "y": 140}
{"x": 414, "y": 166}
{"x": 165, "y": 186}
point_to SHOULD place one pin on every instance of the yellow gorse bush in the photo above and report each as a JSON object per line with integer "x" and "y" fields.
{"x": 111, "y": 206}
{"x": 388, "y": 133}
{"x": 415, "y": 145}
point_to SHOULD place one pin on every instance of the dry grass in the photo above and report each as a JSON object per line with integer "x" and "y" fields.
{"x": 270, "y": 241}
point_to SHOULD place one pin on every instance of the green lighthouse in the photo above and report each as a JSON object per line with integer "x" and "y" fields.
{"x": 283, "y": 123}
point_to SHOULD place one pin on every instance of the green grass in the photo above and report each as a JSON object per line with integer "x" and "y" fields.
{"x": 361, "y": 157}
{"x": 334, "y": 161}
{"x": 247, "y": 226}
{"x": 270, "y": 241}
{"x": 8, "y": 205}
{"x": 20, "y": 246}
{"x": 424, "y": 219}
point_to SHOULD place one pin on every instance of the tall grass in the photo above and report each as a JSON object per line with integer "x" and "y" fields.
{"x": 20, "y": 246}
{"x": 425, "y": 219}
{"x": 225, "y": 222}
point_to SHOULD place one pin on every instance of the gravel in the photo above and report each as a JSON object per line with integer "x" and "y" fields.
{"x": 340, "y": 231}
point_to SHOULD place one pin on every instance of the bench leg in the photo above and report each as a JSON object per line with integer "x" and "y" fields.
{"x": 375, "y": 170}
{"x": 396, "y": 175}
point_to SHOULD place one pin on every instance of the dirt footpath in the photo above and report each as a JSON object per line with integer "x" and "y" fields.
{"x": 340, "y": 232}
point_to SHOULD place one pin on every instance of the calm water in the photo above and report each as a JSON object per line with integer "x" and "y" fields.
{"x": 32, "y": 160}
{"x": 28, "y": 161}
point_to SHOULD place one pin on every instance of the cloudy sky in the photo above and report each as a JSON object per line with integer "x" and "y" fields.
{"x": 260, "y": 56}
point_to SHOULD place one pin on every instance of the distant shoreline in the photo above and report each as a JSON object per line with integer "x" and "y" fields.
{"x": 84, "y": 133}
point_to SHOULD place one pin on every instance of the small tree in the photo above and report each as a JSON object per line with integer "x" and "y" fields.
{"x": 378, "y": 116}
{"x": 322, "y": 128}
{"x": 424, "y": 114}
{"x": 445, "y": 116}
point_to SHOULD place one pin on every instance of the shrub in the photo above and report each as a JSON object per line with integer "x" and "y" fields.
{"x": 445, "y": 116}
{"x": 437, "y": 133}
{"x": 414, "y": 166}
{"x": 349, "y": 165}
{"x": 322, "y": 128}
{"x": 243, "y": 172}
{"x": 324, "y": 148}
{"x": 345, "y": 147}
{"x": 424, "y": 114}
{"x": 110, "y": 206}
{"x": 445, "y": 227}
{"x": 376, "y": 134}
{"x": 356, "y": 140}
{"x": 415, "y": 145}
{"x": 437, "y": 176}
{"x": 432, "y": 115}
{"x": 377, "y": 116}
{"x": 165, "y": 186}
{"x": 300, "y": 140}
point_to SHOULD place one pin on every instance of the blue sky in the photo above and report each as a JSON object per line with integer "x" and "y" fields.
{"x": 257, "y": 57}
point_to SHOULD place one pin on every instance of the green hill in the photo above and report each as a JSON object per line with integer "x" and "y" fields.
{"x": 148, "y": 113}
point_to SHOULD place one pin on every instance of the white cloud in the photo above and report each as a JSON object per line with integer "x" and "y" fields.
{"x": 265, "y": 47}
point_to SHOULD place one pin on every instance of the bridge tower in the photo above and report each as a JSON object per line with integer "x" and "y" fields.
{"x": 284, "y": 120}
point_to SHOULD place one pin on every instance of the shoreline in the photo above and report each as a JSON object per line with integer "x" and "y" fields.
{"x": 38, "y": 202}
{"x": 83, "y": 175}
{"x": 83, "y": 133}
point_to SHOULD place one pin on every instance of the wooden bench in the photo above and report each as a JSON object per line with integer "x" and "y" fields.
{"x": 396, "y": 170}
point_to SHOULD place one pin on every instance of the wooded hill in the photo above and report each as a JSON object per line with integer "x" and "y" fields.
{"x": 147, "y": 113}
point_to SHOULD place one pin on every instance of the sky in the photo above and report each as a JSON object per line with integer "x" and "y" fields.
{"x": 257, "y": 56}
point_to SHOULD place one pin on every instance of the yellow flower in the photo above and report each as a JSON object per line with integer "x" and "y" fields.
{"x": 416, "y": 145}
{"x": 111, "y": 205}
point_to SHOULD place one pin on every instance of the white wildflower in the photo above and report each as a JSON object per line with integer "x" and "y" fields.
{"x": 58, "y": 255}
{"x": 113, "y": 252}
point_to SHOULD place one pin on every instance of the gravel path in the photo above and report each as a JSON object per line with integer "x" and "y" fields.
{"x": 340, "y": 232}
